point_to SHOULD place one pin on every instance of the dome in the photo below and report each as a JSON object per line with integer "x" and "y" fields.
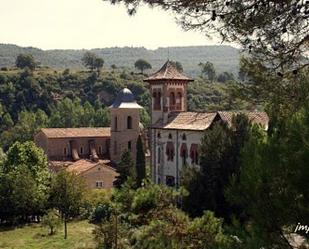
{"x": 125, "y": 99}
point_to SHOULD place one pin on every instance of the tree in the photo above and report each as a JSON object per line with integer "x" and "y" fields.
{"x": 98, "y": 64}
{"x": 52, "y": 221}
{"x": 147, "y": 218}
{"x": 125, "y": 169}
{"x": 272, "y": 183}
{"x": 208, "y": 70}
{"x": 225, "y": 76}
{"x": 142, "y": 65}
{"x": 66, "y": 195}
{"x": 219, "y": 160}
{"x": 91, "y": 61}
{"x": 28, "y": 155}
{"x": 140, "y": 162}
{"x": 25, "y": 60}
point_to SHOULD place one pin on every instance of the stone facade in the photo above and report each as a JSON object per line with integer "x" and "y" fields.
{"x": 176, "y": 133}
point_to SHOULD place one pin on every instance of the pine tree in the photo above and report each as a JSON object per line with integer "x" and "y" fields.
{"x": 140, "y": 162}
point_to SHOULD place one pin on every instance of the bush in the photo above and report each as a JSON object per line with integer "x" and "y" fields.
{"x": 52, "y": 221}
{"x": 101, "y": 213}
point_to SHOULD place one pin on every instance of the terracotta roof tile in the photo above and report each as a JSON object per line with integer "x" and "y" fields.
{"x": 201, "y": 121}
{"x": 187, "y": 121}
{"x": 255, "y": 117}
{"x": 76, "y": 132}
{"x": 168, "y": 72}
{"x": 84, "y": 165}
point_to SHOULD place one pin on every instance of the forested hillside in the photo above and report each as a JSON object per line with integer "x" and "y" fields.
{"x": 30, "y": 100}
{"x": 224, "y": 58}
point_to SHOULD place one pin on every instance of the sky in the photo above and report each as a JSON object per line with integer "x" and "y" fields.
{"x": 78, "y": 24}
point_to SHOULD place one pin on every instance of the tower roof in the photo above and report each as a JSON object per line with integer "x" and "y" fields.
{"x": 125, "y": 99}
{"x": 168, "y": 72}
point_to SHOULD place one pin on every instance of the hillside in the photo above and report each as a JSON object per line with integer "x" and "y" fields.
{"x": 224, "y": 58}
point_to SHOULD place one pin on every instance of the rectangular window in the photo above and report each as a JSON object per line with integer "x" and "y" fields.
{"x": 116, "y": 124}
{"x": 99, "y": 184}
{"x": 129, "y": 145}
{"x": 81, "y": 150}
{"x": 65, "y": 151}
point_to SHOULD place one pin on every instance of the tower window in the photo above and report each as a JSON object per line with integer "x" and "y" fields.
{"x": 159, "y": 135}
{"x": 81, "y": 150}
{"x": 129, "y": 145}
{"x": 65, "y": 151}
{"x": 156, "y": 100}
{"x": 170, "y": 136}
{"x": 100, "y": 150}
{"x": 116, "y": 124}
{"x": 129, "y": 122}
{"x": 179, "y": 101}
{"x": 172, "y": 101}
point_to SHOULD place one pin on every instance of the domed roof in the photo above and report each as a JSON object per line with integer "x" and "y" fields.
{"x": 125, "y": 99}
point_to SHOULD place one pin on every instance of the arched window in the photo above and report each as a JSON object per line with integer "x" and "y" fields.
{"x": 184, "y": 153}
{"x": 194, "y": 153}
{"x": 170, "y": 181}
{"x": 184, "y": 137}
{"x": 179, "y": 101}
{"x": 170, "y": 151}
{"x": 172, "y": 101}
{"x": 116, "y": 124}
{"x": 129, "y": 122}
{"x": 156, "y": 100}
{"x": 170, "y": 136}
{"x": 159, "y": 135}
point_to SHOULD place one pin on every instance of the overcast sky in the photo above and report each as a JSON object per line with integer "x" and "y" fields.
{"x": 50, "y": 24}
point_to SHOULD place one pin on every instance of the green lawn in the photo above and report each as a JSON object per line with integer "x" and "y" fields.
{"x": 36, "y": 237}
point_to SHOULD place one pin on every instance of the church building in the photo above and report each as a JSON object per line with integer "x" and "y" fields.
{"x": 93, "y": 152}
{"x": 176, "y": 133}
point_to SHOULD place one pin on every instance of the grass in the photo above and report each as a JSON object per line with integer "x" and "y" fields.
{"x": 34, "y": 236}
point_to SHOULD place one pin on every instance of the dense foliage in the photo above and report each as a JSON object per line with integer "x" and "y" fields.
{"x": 147, "y": 218}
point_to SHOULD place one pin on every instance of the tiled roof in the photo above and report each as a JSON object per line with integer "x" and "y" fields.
{"x": 125, "y": 99}
{"x": 168, "y": 72}
{"x": 84, "y": 165}
{"x": 187, "y": 121}
{"x": 76, "y": 132}
{"x": 255, "y": 117}
{"x": 201, "y": 121}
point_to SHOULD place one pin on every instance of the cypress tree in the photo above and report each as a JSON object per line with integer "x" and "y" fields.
{"x": 140, "y": 162}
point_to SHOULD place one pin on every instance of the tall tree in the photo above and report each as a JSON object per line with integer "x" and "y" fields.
{"x": 125, "y": 169}
{"x": 208, "y": 70}
{"x": 25, "y": 60}
{"x": 67, "y": 194}
{"x": 142, "y": 65}
{"x": 140, "y": 162}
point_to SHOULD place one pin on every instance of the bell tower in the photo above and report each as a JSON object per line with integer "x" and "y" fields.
{"x": 168, "y": 89}
{"x": 125, "y": 125}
